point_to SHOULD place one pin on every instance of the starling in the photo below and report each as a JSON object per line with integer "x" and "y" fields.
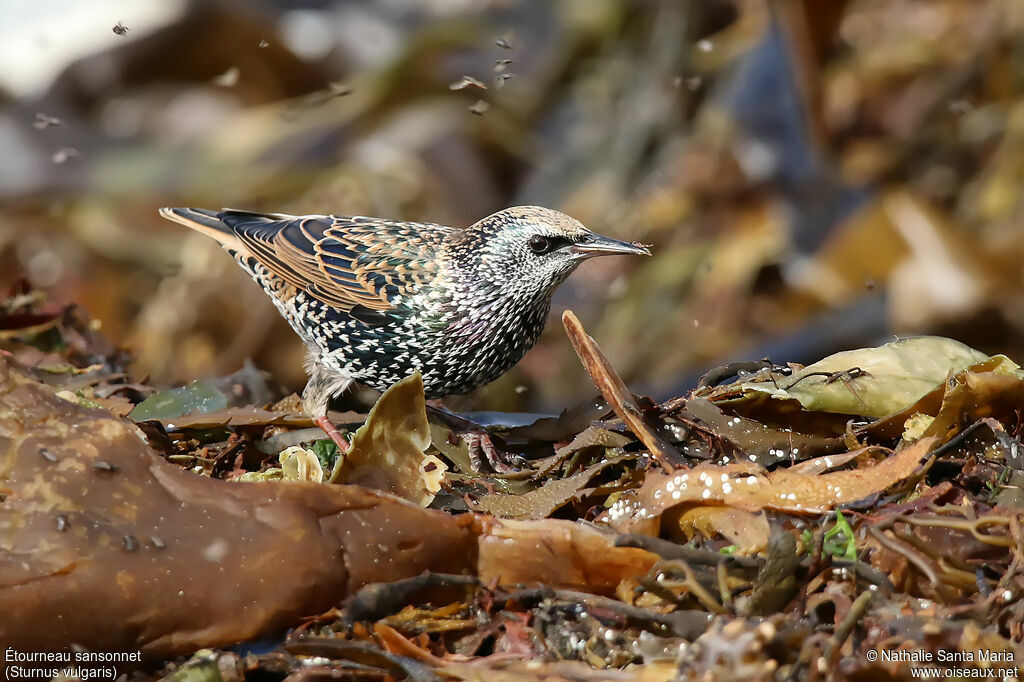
{"x": 376, "y": 299}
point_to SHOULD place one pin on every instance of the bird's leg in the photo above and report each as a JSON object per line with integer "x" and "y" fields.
{"x": 478, "y": 442}
{"x": 323, "y": 386}
{"x": 481, "y": 448}
{"x": 333, "y": 433}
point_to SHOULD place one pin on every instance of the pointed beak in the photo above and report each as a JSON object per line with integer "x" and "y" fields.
{"x": 597, "y": 245}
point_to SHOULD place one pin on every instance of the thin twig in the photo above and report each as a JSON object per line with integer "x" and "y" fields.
{"x": 857, "y": 609}
{"x": 616, "y": 392}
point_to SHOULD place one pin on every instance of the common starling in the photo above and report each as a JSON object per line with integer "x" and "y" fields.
{"x": 376, "y": 299}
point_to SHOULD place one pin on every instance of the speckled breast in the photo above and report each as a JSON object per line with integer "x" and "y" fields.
{"x": 454, "y": 353}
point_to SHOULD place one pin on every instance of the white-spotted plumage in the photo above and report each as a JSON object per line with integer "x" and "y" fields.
{"x": 375, "y": 299}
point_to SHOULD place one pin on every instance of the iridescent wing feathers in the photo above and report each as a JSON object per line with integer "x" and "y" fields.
{"x": 363, "y": 266}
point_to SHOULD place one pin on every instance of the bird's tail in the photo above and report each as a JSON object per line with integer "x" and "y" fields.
{"x": 202, "y": 220}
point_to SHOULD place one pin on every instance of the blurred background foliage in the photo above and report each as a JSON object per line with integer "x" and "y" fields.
{"x": 813, "y": 174}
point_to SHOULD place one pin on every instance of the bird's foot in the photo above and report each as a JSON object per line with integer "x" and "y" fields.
{"x": 481, "y": 448}
{"x": 333, "y": 433}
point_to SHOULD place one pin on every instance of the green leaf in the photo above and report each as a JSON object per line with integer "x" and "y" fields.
{"x": 327, "y": 452}
{"x": 807, "y": 538}
{"x": 199, "y": 396}
{"x": 840, "y": 540}
{"x": 876, "y": 382}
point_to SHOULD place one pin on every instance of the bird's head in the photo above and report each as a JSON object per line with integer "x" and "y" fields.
{"x": 529, "y": 247}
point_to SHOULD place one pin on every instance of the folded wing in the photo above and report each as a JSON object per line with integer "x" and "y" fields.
{"x": 362, "y": 266}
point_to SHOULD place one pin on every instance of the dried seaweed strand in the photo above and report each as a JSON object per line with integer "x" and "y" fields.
{"x": 973, "y": 526}
{"x": 689, "y": 581}
{"x": 724, "y": 593}
{"x": 913, "y": 557}
{"x": 962, "y": 574}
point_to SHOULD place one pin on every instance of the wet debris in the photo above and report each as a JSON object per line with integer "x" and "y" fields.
{"x": 313, "y": 543}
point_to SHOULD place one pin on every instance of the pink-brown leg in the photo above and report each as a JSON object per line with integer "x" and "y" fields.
{"x": 333, "y": 433}
{"x": 482, "y": 448}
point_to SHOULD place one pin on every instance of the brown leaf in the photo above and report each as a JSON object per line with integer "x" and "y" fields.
{"x": 752, "y": 488}
{"x": 591, "y": 436}
{"x": 253, "y": 416}
{"x": 388, "y": 451}
{"x": 560, "y": 554}
{"x": 763, "y": 444}
{"x": 539, "y": 503}
{"x": 107, "y": 545}
{"x": 747, "y": 530}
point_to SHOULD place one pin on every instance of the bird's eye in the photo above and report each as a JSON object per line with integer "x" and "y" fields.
{"x": 540, "y": 244}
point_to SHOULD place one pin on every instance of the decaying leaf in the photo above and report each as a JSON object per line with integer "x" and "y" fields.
{"x": 449, "y": 444}
{"x": 986, "y": 390}
{"x": 752, "y": 489}
{"x": 969, "y": 396}
{"x": 591, "y": 436}
{"x": 566, "y": 425}
{"x": 916, "y": 426}
{"x": 747, "y": 530}
{"x": 301, "y": 464}
{"x": 775, "y": 583}
{"x": 820, "y": 465}
{"x": 759, "y": 442}
{"x": 388, "y": 451}
{"x": 875, "y": 382}
{"x": 539, "y": 503}
{"x": 559, "y": 554}
{"x": 123, "y": 551}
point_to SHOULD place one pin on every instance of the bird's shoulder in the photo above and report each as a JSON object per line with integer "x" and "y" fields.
{"x": 386, "y": 238}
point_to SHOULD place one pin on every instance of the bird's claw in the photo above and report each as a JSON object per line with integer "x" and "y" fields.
{"x": 482, "y": 448}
